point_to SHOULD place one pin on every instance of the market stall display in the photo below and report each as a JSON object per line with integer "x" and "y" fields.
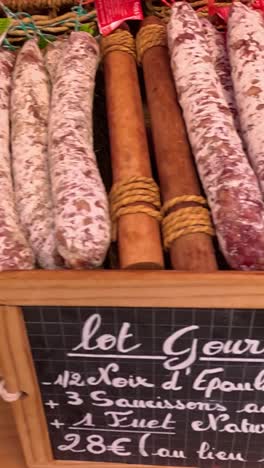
{"x": 153, "y": 357}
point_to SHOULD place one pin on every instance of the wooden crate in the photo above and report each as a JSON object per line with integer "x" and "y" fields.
{"x": 158, "y": 289}
{"x": 112, "y": 289}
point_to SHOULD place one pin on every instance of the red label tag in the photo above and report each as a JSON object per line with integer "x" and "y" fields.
{"x": 258, "y": 5}
{"x": 223, "y": 12}
{"x": 112, "y": 13}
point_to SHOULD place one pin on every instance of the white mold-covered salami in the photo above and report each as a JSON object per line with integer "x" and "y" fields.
{"x": 82, "y": 216}
{"x": 29, "y": 117}
{"x": 53, "y": 54}
{"x": 15, "y": 253}
{"x": 246, "y": 51}
{"x": 216, "y": 43}
{"x": 229, "y": 181}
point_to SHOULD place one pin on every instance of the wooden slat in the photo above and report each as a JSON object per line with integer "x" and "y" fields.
{"x": 133, "y": 288}
{"x": 69, "y": 464}
{"x": 11, "y": 455}
{"x": 19, "y": 374}
{"x": 63, "y": 464}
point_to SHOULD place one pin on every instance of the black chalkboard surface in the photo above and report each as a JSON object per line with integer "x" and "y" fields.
{"x": 151, "y": 386}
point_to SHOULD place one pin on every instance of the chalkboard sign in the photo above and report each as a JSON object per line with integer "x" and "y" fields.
{"x": 151, "y": 386}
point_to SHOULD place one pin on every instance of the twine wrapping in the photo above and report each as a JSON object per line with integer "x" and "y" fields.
{"x": 125, "y": 194}
{"x": 121, "y": 41}
{"x": 19, "y": 5}
{"x": 182, "y": 199}
{"x": 189, "y": 220}
{"x": 6, "y": 396}
{"x": 150, "y": 36}
{"x": 20, "y": 28}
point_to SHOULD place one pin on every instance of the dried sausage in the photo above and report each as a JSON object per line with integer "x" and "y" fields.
{"x": 29, "y": 117}
{"x": 53, "y": 55}
{"x": 229, "y": 181}
{"x": 15, "y": 253}
{"x": 246, "y": 51}
{"x": 216, "y": 42}
{"x": 81, "y": 206}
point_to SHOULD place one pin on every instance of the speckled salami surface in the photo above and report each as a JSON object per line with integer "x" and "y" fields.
{"x": 216, "y": 43}
{"x": 29, "y": 117}
{"x": 230, "y": 183}
{"x": 15, "y": 253}
{"x": 53, "y": 54}
{"x": 82, "y": 216}
{"x": 246, "y": 51}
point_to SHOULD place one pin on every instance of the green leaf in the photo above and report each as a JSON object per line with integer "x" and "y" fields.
{"x": 43, "y": 42}
{"x": 4, "y": 24}
{"x": 87, "y": 28}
